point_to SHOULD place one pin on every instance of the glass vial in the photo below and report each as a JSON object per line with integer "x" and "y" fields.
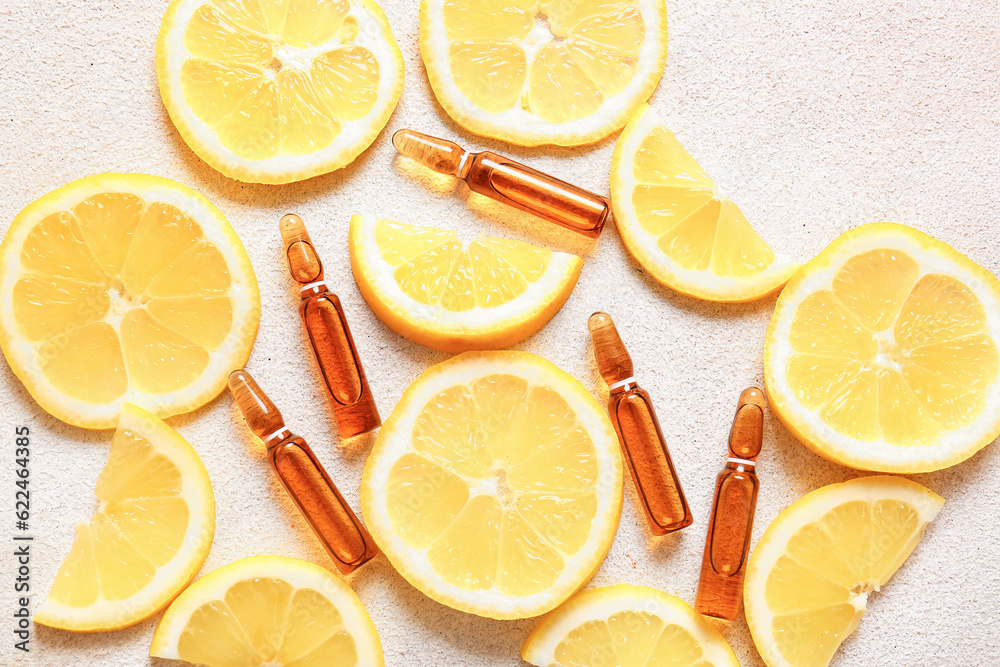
{"x": 510, "y": 182}
{"x": 723, "y": 566}
{"x": 643, "y": 445}
{"x": 329, "y": 335}
{"x": 339, "y": 531}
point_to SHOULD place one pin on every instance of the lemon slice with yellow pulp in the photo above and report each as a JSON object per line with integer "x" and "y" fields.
{"x": 626, "y": 626}
{"x": 122, "y": 287}
{"x": 145, "y": 543}
{"x": 549, "y": 72}
{"x": 496, "y": 485}
{"x": 882, "y": 352}
{"x": 809, "y": 577}
{"x": 679, "y": 228}
{"x": 268, "y": 610}
{"x": 278, "y": 91}
{"x": 435, "y": 290}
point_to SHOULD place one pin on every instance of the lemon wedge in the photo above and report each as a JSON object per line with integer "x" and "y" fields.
{"x": 675, "y": 223}
{"x": 882, "y": 352}
{"x": 268, "y": 610}
{"x": 550, "y": 72}
{"x": 433, "y": 289}
{"x": 809, "y": 577}
{"x": 626, "y": 626}
{"x": 496, "y": 485}
{"x": 148, "y": 538}
{"x": 123, "y": 287}
{"x": 278, "y": 91}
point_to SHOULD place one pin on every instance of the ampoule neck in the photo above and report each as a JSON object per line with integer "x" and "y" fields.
{"x": 613, "y": 358}
{"x": 261, "y": 414}
{"x": 304, "y": 264}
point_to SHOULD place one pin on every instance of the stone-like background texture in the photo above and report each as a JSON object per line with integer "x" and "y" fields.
{"x": 814, "y": 116}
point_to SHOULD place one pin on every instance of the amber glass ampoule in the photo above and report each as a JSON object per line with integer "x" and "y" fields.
{"x": 643, "y": 446}
{"x": 510, "y": 182}
{"x": 727, "y": 546}
{"x": 339, "y": 531}
{"x": 329, "y": 336}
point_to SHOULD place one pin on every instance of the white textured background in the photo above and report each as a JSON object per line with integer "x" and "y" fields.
{"x": 814, "y": 116}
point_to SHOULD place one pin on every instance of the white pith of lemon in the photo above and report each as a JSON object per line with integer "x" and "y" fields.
{"x": 268, "y": 610}
{"x": 147, "y": 540}
{"x": 809, "y": 577}
{"x": 565, "y": 73}
{"x": 124, "y": 287}
{"x": 430, "y": 287}
{"x": 675, "y": 223}
{"x": 279, "y": 91}
{"x": 882, "y": 352}
{"x": 626, "y": 626}
{"x": 496, "y": 485}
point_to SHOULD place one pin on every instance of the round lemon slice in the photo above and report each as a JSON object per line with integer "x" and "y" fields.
{"x": 148, "y": 538}
{"x": 496, "y": 485}
{"x": 434, "y": 290}
{"x": 550, "y": 72}
{"x": 123, "y": 287}
{"x": 268, "y": 610}
{"x": 810, "y": 576}
{"x": 675, "y": 223}
{"x": 274, "y": 92}
{"x": 626, "y": 626}
{"x": 882, "y": 352}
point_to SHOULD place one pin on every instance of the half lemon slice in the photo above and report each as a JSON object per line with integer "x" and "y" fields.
{"x": 675, "y": 223}
{"x": 148, "y": 538}
{"x": 274, "y": 92}
{"x": 433, "y": 289}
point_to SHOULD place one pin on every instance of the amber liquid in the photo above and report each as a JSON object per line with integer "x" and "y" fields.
{"x": 645, "y": 450}
{"x": 332, "y": 343}
{"x": 338, "y": 529}
{"x": 532, "y": 191}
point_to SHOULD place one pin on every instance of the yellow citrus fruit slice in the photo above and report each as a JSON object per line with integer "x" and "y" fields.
{"x": 433, "y": 289}
{"x": 626, "y": 626}
{"x": 679, "y": 228}
{"x": 810, "y": 576}
{"x": 882, "y": 352}
{"x": 281, "y": 90}
{"x": 148, "y": 538}
{"x": 268, "y": 610}
{"x": 496, "y": 485}
{"x": 550, "y": 72}
{"x": 123, "y": 287}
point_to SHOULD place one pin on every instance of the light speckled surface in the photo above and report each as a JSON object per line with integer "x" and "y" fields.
{"x": 815, "y": 117}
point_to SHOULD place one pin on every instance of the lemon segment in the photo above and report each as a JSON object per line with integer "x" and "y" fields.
{"x": 626, "y": 626}
{"x": 543, "y": 73}
{"x": 122, "y": 287}
{"x": 882, "y": 352}
{"x": 809, "y": 577}
{"x": 268, "y": 610}
{"x": 495, "y": 487}
{"x": 280, "y": 91}
{"x": 433, "y": 289}
{"x": 674, "y": 222}
{"x": 148, "y": 538}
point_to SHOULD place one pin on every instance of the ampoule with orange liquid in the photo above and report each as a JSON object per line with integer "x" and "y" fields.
{"x": 723, "y": 565}
{"x": 643, "y": 445}
{"x": 329, "y": 335}
{"x": 339, "y": 531}
{"x": 510, "y": 182}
